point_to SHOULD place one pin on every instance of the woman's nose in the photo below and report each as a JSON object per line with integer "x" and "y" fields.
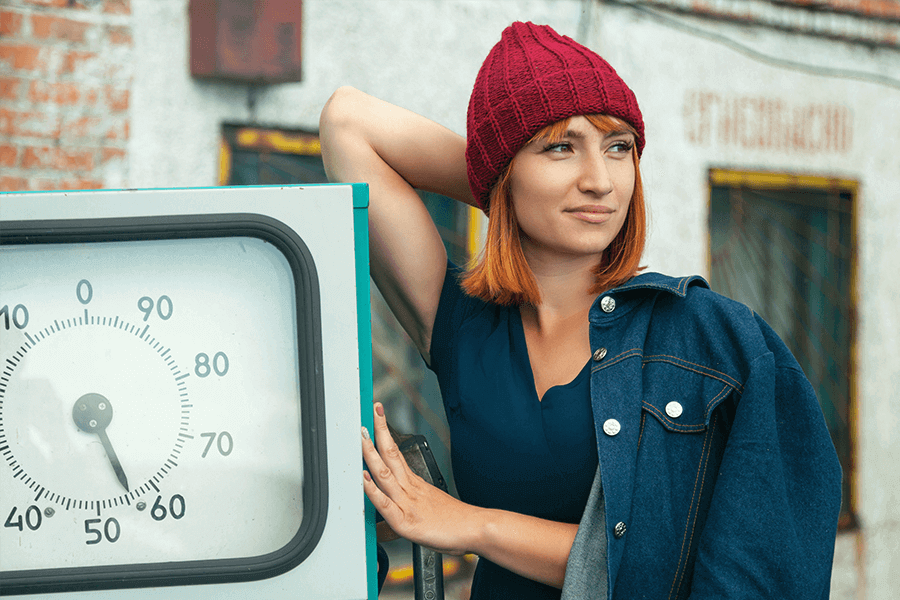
{"x": 594, "y": 176}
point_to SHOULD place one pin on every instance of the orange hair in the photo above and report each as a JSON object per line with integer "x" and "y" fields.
{"x": 501, "y": 275}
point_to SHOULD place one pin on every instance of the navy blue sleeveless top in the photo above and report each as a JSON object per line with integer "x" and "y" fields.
{"x": 510, "y": 450}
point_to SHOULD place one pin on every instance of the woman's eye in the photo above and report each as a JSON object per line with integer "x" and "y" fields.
{"x": 621, "y": 147}
{"x": 560, "y": 147}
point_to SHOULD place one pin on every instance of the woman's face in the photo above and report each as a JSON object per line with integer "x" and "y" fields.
{"x": 571, "y": 196}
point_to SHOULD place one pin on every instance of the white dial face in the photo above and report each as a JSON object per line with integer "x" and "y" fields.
{"x": 150, "y": 407}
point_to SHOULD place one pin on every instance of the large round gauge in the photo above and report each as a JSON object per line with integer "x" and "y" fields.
{"x": 160, "y": 402}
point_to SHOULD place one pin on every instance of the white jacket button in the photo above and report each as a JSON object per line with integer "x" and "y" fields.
{"x": 608, "y": 304}
{"x": 674, "y": 410}
{"x": 611, "y": 427}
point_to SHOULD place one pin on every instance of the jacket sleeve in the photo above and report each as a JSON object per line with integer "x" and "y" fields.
{"x": 772, "y": 520}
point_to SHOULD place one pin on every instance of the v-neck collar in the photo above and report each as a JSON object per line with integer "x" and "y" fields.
{"x": 524, "y": 357}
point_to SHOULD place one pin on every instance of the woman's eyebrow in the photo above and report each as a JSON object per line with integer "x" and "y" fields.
{"x": 617, "y": 133}
{"x": 571, "y": 133}
{"x": 576, "y": 134}
{"x": 553, "y": 139}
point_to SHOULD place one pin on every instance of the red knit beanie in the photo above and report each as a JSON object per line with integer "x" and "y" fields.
{"x": 531, "y": 78}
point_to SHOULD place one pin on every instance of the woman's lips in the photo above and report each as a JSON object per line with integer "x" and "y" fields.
{"x": 592, "y": 213}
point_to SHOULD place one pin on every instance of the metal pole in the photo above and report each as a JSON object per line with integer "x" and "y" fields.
{"x": 428, "y": 574}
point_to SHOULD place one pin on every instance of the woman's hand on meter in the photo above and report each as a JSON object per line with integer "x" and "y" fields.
{"x": 414, "y": 509}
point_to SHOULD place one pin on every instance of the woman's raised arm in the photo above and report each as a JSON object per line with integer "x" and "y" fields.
{"x": 365, "y": 139}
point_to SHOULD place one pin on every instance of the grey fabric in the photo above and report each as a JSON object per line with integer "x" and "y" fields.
{"x": 586, "y": 570}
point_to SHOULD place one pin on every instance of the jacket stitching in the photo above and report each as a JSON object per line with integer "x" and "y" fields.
{"x": 692, "y": 513}
{"x": 678, "y": 572}
{"x": 627, "y": 354}
{"x": 641, "y": 435}
{"x": 725, "y": 391}
{"x": 679, "y": 362}
{"x": 709, "y": 448}
{"x": 673, "y": 424}
{"x": 687, "y": 428}
{"x": 677, "y": 288}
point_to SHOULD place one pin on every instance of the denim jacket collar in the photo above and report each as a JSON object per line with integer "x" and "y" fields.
{"x": 677, "y": 286}
{"x": 658, "y": 281}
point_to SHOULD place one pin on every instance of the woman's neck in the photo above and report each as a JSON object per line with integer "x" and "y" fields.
{"x": 564, "y": 284}
{"x": 556, "y": 330}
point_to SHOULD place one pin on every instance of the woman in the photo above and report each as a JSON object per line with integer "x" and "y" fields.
{"x": 667, "y": 420}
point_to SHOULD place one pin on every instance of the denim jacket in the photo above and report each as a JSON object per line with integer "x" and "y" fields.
{"x": 719, "y": 477}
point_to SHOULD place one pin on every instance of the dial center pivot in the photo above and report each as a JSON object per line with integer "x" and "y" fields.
{"x": 93, "y": 413}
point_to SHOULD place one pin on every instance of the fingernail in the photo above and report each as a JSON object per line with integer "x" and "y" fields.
{"x": 365, "y": 433}
{"x": 379, "y": 409}
{"x": 366, "y": 476}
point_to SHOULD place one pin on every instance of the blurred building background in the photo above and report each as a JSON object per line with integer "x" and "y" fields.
{"x": 771, "y": 166}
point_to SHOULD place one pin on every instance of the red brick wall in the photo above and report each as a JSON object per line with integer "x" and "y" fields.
{"x": 65, "y": 89}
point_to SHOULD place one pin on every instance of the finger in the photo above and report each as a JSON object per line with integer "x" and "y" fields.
{"x": 382, "y": 473}
{"x": 371, "y": 456}
{"x": 381, "y": 501}
{"x": 387, "y": 447}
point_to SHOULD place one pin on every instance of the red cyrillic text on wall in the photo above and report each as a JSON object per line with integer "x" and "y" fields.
{"x": 759, "y": 122}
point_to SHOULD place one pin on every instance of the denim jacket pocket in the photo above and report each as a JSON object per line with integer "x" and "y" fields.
{"x": 683, "y": 395}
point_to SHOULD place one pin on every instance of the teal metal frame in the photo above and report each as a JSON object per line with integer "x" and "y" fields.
{"x": 364, "y": 334}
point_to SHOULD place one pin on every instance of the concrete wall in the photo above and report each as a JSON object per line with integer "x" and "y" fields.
{"x": 424, "y": 55}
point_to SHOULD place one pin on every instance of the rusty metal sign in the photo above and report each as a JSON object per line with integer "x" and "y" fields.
{"x": 246, "y": 40}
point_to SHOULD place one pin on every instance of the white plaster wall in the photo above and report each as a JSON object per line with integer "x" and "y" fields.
{"x": 424, "y": 54}
{"x": 176, "y": 120}
{"x": 420, "y": 55}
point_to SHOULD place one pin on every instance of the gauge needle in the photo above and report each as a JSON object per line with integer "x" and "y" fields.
{"x": 93, "y": 413}
{"x": 113, "y": 459}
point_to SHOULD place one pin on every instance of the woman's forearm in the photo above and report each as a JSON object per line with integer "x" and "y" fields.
{"x": 534, "y": 548}
{"x": 425, "y": 154}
